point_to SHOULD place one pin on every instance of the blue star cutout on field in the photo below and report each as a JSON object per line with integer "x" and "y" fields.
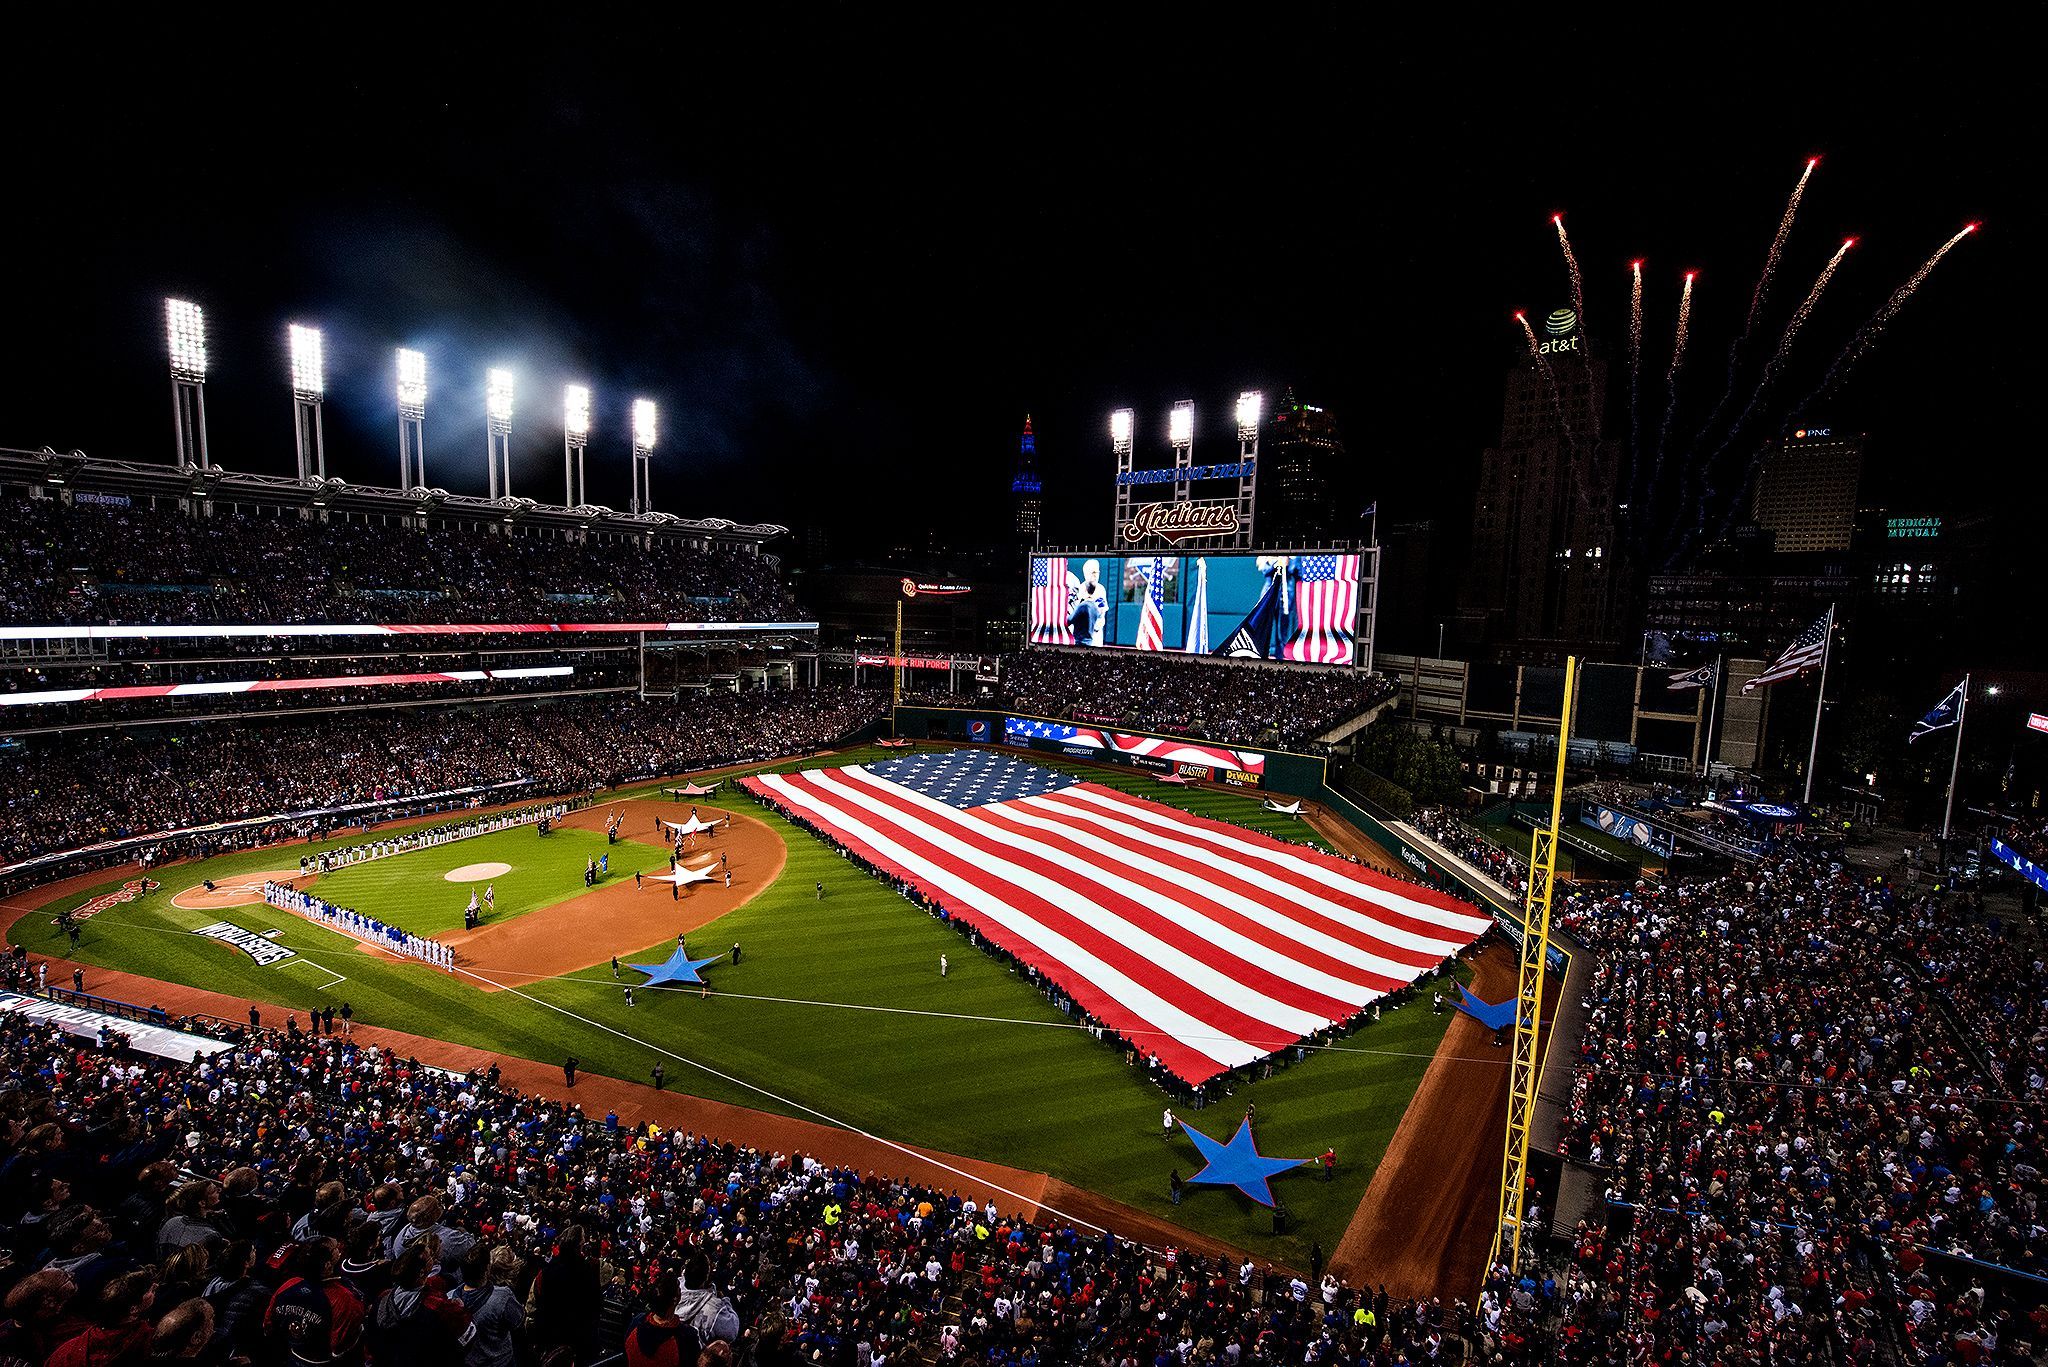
{"x": 680, "y": 968}
{"x": 1494, "y": 1016}
{"x": 1239, "y": 1163}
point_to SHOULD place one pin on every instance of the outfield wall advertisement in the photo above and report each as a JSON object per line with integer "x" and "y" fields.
{"x": 1302, "y": 608}
{"x": 1160, "y": 754}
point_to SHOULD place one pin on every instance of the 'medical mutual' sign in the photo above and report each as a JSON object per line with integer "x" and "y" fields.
{"x": 1912, "y": 528}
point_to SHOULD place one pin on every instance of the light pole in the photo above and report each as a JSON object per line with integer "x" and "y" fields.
{"x": 575, "y": 436}
{"x": 498, "y": 431}
{"x": 1121, "y": 425}
{"x": 309, "y": 386}
{"x": 1180, "y": 434}
{"x": 412, "y": 419}
{"x": 185, "y": 323}
{"x": 644, "y": 432}
{"x": 1250, "y": 408}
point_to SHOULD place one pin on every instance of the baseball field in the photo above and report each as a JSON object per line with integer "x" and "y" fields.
{"x": 836, "y": 1012}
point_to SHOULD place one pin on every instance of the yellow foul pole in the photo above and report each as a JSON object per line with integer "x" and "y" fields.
{"x": 1514, "y": 1168}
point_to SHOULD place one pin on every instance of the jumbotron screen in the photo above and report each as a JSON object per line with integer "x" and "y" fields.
{"x": 1262, "y": 607}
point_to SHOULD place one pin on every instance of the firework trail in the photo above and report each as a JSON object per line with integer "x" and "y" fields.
{"x": 1869, "y": 334}
{"x": 1677, "y": 360}
{"x": 1772, "y": 370}
{"x": 1756, "y": 302}
{"x": 1635, "y": 369}
{"x": 1763, "y": 282}
{"x": 1571, "y": 440}
{"x": 1571, "y": 265}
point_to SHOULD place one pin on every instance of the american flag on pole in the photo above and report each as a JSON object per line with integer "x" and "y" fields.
{"x": 1197, "y": 635}
{"x": 1805, "y": 652}
{"x": 1325, "y": 610}
{"x": 1151, "y": 621}
{"x": 1201, "y": 942}
{"x": 1049, "y": 624}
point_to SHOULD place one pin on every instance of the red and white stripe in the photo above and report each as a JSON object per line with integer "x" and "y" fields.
{"x": 1208, "y": 944}
{"x": 1172, "y": 751}
{"x": 195, "y": 690}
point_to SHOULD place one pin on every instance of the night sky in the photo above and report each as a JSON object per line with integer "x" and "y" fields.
{"x": 847, "y": 254}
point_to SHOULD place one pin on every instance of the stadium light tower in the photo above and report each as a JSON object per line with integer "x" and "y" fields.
{"x": 1121, "y": 424}
{"x": 309, "y": 387}
{"x": 1180, "y": 434}
{"x": 412, "y": 419}
{"x": 498, "y": 430}
{"x": 1251, "y": 407}
{"x": 575, "y": 436}
{"x": 186, "y": 325}
{"x": 643, "y": 452}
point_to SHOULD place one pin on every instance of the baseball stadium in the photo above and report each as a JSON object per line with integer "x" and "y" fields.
{"x": 811, "y": 915}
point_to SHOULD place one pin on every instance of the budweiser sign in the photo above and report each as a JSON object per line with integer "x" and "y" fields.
{"x": 1181, "y": 521}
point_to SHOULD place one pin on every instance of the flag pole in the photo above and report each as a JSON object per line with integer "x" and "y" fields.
{"x": 1713, "y": 706}
{"x": 1956, "y": 761}
{"x": 1827, "y": 645}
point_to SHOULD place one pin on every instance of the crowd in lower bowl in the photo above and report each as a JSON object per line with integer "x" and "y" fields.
{"x": 61, "y": 793}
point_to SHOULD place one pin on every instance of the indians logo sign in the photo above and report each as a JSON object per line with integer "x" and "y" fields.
{"x": 1182, "y": 521}
{"x": 127, "y": 892}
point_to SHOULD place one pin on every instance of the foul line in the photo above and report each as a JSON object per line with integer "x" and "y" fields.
{"x": 831, "y": 1120}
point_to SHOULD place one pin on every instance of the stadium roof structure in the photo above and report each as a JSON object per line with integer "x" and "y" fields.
{"x": 49, "y": 468}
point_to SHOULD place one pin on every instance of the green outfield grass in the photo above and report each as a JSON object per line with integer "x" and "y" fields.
{"x": 837, "y": 1008}
{"x": 410, "y": 891}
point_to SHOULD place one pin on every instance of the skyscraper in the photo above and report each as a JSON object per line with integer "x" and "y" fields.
{"x": 1544, "y": 573}
{"x": 1027, "y": 492}
{"x": 1806, "y": 490}
{"x": 1298, "y": 452}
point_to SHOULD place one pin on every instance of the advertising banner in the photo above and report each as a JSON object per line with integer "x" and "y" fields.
{"x": 1158, "y": 753}
{"x": 1633, "y": 829}
{"x": 1302, "y": 608}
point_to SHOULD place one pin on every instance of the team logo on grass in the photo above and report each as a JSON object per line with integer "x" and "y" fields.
{"x": 127, "y": 892}
{"x": 263, "y": 951}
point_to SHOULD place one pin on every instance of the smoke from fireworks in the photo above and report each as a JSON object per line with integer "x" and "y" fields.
{"x": 1867, "y": 336}
{"x": 1671, "y": 376}
{"x": 1635, "y": 356}
{"x": 1763, "y": 281}
{"x": 1772, "y": 370}
{"x": 1571, "y": 265}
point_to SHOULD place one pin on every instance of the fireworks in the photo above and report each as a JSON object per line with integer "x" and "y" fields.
{"x": 1674, "y": 517}
{"x": 1635, "y": 357}
{"x": 1867, "y": 336}
{"x": 1571, "y": 265}
{"x": 1763, "y": 281}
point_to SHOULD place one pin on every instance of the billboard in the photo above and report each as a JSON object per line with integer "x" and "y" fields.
{"x": 1633, "y": 829}
{"x": 1302, "y": 608}
{"x": 1160, "y": 754}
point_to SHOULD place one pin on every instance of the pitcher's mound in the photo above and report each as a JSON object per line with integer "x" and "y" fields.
{"x": 477, "y": 873}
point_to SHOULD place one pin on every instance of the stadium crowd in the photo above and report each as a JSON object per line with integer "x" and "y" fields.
{"x": 100, "y": 563}
{"x": 1235, "y": 705}
{"x": 66, "y": 792}
{"x": 1450, "y": 830}
{"x": 1817, "y": 1094}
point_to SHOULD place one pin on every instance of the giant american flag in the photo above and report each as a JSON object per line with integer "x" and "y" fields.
{"x": 1049, "y": 623}
{"x": 1325, "y": 592}
{"x": 1151, "y": 621}
{"x": 1165, "y": 749}
{"x": 1806, "y": 652}
{"x": 1204, "y": 943}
